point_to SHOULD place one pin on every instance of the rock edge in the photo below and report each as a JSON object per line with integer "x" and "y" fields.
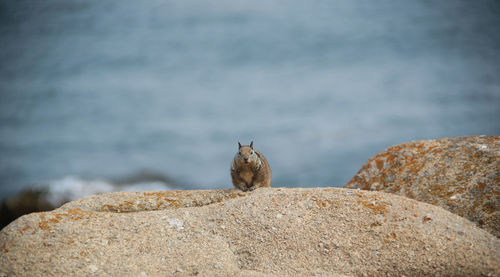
{"x": 267, "y": 232}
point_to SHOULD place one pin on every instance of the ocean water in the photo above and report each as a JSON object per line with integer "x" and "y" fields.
{"x": 92, "y": 91}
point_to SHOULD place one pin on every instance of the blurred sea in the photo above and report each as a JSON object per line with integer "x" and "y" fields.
{"x": 92, "y": 91}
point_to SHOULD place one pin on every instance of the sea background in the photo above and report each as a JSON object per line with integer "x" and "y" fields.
{"x": 95, "y": 95}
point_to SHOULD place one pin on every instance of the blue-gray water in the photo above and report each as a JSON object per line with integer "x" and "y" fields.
{"x": 103, "y": 89}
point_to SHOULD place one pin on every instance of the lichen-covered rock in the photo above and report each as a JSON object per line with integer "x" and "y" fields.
{"x": 460, "y": 174}
{"x": 267, "y": 232}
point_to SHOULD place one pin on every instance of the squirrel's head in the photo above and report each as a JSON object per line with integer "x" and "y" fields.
{"x": 246, "y": 153}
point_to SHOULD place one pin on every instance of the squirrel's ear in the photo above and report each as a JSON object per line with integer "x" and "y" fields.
{"x": 251, "y": 144}
{"x": 239, "y": 145}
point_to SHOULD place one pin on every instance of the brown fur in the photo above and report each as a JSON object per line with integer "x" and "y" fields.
{"x": 249, "y": 169}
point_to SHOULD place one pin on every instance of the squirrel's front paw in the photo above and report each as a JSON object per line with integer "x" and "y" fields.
{"x": 251, "y": 188}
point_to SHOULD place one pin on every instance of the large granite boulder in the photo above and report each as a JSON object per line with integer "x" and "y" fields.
{"x": 267, "y": 232}
{"x": 460, "y": 174}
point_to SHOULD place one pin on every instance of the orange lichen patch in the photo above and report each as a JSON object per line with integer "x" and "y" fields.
{"x": 376, "y": 208}
{"x": 44, "y": 225}
{"x": 167, "y": 196}
{"x": 24, "y": 229}
{"x": 158, "y": 200}
{"x": 58, "y": 216}
{"x": 415, "y": 167}
{"x": 414, "y": 162}
{"x": 396, "y": 148}
{"x": 162, "y": 194}
{"x": 173, "y": 202}
{"x": 436, "y": 151}
{"x": 323, "y": 203}
{"x": 380, "y": 164}
{"x": 108, "y": 208}
{"x": 77, "y": 214}
{"x": 385, "y": 165}
{"x": 235, "y": 195}
{"x": 73, "y": 214}
{"x": 433, "y": 149}
{"x": 390, "y": 236}
{"x": 359, "y": 194}
{"x": 388, "y": 155}
{"x": 492, "y": 140}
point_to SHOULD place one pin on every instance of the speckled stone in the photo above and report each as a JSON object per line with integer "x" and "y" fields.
{"x": 460, "y": 174}
{"x": 267, "y": 232}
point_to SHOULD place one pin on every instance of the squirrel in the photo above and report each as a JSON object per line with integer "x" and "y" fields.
{"x": 249, "y": 169}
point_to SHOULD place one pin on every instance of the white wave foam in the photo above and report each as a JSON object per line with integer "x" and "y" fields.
{"x": 72, "y": 187}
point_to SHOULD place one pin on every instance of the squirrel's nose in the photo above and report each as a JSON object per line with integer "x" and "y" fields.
{"x": 246, "y": 160}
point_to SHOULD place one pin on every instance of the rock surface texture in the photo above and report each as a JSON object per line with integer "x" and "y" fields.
{"x": 267, "y": 232}
{"x": 460, "y": 174}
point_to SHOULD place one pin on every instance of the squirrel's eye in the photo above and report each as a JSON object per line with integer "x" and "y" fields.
{"x": 239, "y": 153}
{"x": 251, "y": 152}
